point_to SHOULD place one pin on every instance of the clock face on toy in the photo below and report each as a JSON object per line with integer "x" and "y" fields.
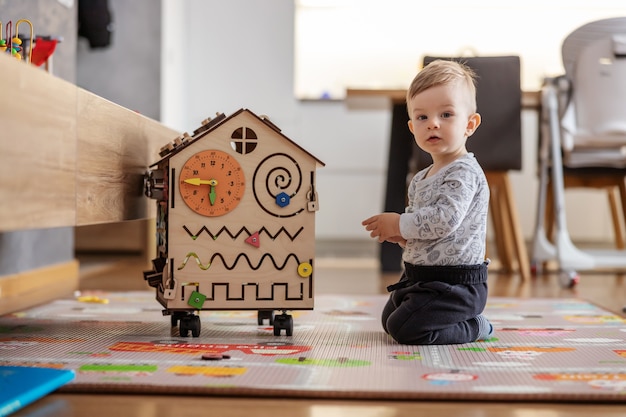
{"x": 211, "y": 183}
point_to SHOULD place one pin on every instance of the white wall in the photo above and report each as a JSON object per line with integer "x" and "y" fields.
{"x": 127, "y": 71}
{"x": 398, "y": 33}
{"x": 219, "y": 56}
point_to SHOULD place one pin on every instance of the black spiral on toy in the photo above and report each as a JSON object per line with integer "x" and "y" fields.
{"x": 277, "y": 174}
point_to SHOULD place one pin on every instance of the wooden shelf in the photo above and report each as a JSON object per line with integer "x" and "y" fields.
{"x": 70, "y": 157}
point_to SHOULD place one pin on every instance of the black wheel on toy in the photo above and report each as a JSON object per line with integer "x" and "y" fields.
{"x": 184, "y": 327}
{"x": 265, "y": 314}
{"x": 283, "y": 321}
{"x": 277, "y": 326}
{"x": 195, "y": 325}
{"x": 289, "y": 326}
{"x": 175, "y": 318}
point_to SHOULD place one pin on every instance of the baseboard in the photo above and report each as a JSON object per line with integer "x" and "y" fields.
{"x": 27, "y": 289}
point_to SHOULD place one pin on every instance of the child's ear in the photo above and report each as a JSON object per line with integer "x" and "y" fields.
{"x": 410, "y": 123}
{"x": 472, "y": 124}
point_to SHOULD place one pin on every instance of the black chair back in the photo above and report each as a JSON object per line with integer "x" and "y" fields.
{"x": 497, "y": 143}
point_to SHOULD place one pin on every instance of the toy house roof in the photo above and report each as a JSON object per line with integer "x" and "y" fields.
{"x": 180, "y": 143}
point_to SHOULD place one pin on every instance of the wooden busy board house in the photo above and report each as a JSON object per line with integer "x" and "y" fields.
{"x": 236, "y": 205}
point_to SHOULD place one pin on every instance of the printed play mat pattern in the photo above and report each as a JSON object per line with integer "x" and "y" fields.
{"x": 543, "y": 349}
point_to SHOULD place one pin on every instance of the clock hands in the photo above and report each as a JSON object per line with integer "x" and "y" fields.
{"x": 211, "y": 183}
{"x": 198, "y": 181}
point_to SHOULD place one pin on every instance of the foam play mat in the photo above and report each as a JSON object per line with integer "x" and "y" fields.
{"x": 543, "y": 349}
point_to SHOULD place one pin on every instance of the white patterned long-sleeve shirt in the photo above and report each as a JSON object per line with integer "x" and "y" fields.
{"x": 445, "y": 222}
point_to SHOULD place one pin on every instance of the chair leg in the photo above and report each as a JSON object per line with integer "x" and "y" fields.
{"x": 515, "y": 229}
{"x": 622, "y": 193}
{"x": 549, "y": 215}
{"x": 615, "y": 215}
{"x": 508, "y": 230}
{"x": 508, "y": 237}
{"x": 500, "y": 237}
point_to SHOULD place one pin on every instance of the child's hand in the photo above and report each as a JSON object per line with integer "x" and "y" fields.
{"x": 397, "y": 239}
{"x": 384, "y": 226}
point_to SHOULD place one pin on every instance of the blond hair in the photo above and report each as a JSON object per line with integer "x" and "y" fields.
{"x": 444, "y": 72}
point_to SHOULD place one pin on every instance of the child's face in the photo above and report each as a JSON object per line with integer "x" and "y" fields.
{"x": 441, "y": 120}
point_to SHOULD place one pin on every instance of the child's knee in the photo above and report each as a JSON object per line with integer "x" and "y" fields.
{"x": 414, "y": 338}
{"x": 409, "y": 334}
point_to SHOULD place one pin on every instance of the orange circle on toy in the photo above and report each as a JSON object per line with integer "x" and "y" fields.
{"x": 211, "y": 183}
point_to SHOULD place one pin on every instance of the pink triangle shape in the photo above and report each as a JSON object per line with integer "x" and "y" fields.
{"x": 254, "y": 240}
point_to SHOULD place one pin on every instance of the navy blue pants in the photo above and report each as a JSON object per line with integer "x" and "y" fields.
{"x": 436, "y": 305}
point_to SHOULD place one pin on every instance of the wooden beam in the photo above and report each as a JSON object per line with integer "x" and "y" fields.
{"x": 115, "y": 147}
{"x": 70, "y": 157}
{"x": 38, "y": 154}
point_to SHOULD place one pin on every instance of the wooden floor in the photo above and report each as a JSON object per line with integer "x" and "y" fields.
{"x": 351, "y": 273}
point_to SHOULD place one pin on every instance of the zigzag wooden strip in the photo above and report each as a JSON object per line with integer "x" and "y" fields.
{"x": 226, "y": 230}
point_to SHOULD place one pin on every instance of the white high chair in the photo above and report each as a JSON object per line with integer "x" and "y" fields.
{"x": 583, "y": 125}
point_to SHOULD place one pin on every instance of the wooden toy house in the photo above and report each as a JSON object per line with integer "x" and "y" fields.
{"x": 236, "y": 205}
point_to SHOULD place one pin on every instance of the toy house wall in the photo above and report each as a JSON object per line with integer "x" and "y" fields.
{"x": 286, "y": 234}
